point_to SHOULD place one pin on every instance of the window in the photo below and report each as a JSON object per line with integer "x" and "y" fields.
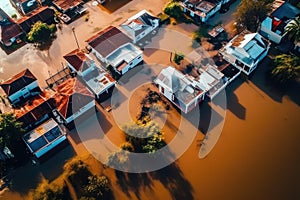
{"x": 162, "y": 90}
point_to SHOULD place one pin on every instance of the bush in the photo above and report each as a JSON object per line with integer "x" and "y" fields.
{"x": 178, "y": 57}
{"x": 41, "y": 33}
{"x": 14, "y": 16}
{"x": 98, "y": 187}
{"x": 46, "y": 191}
{"x": 173, "y": 9}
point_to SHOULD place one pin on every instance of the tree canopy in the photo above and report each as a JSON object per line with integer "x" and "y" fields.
{"x": 47, "y": 191}
{"x": 41, "y": 33}
{"x": 287, "y": 68}
{"x": 173, "y": 9}
{"x": 293, "y": 30}
{"x": 251, "y": 13}
{"x": 10, "y": 131}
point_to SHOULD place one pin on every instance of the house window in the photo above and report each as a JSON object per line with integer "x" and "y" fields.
{"x": 139, "y": 57}
{"x": 162, "y": 90}
{"x": 247, "y": 69}
{"x": 238, "y": 63}
{"x": 130, "y": 63}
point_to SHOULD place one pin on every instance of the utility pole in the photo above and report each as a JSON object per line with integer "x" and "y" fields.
{"x": 73, "y": 30}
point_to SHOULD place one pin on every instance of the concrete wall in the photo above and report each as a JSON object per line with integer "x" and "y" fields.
{"x": 81, "y": 111}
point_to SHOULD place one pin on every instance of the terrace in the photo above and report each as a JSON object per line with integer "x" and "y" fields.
{"x": 44, "y": 138}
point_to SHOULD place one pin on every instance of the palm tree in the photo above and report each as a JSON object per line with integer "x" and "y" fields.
{"x": 287, "y": 68}
{"x": 293, "y": 30}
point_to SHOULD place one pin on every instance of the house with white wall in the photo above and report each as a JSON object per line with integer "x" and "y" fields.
{"x": 245, "y": 51}
{"x": 140, "y": 25}
{"x": 73, "y": 100}
{"x": 273, "y": 27}
{"x": 202, "y": 10}
{"x": 98, "y": 81}
{"x": 79, "y": 62}
{"x": 20, "y": 87}
{"x": 44, "y": 138}
{"x": 113, "y": 48}
{"x": 179, "y": 89}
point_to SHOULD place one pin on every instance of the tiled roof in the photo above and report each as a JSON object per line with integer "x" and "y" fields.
{"x": 8, "y": 28}
{"x": 76, "y": 58}
{"x": 35, "y": 108}
{"x": 43, "y": 14}
{"x": 18, "y": 82}
{"x": 108, "y": 40}
{"x": 71, "y": 96}
{"x": 66, "y": 4}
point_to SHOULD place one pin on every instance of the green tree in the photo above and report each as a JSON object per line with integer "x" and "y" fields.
{"x": 178, "y": 57}
{"x": 46, "y": 191}
{"x": 10, "y": 137}
{"x": 293, "y": 30}
{"x": 98, "y": 187}
{"x": 251, "y": 13}
{"x": 41, "y": 33}
{"x": 10, "y": 131}
{"x": 144, "y": 137}
{"x": 173, "y": 9}
{"x": 77, "y": 172}
{"x": 287, "y": 68}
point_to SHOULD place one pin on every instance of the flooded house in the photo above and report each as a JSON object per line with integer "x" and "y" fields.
{"x": 114, "y": 49}
{"x": 245, "y": 51}
{"x": 94, "y": 77}
{"x": 140, "y": 25}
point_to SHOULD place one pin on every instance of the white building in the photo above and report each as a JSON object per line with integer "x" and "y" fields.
{"x": 44, "y": 138}
{"x": 113, "y": 48}
{"x": 140, "y": 25}
{"x": 20, "y": 86}
{"x": 274, "y": 25}
{"x": 98, "y": 81}
{"x": 245, "y": 51}
{"x": 201, "y": 10}
{"x": 179, "y": 89}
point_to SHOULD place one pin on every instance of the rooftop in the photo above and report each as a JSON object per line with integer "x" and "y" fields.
{"x": 71, "y": 96}
{"x": 108, "y": 40}
{"x": 35, "y": 108}
{"x": 18, "y": 82}
{"x": 44, "y": 14}
{"x": 139, "y": 22}
{"x": 180, "y": 85}
{"x": 77, "y": 59}
{"x": 98, "y": 80}
{"x": 205, "y": 6}
{"x": 247, "y": 46}
{"x": 43, "y": 135}
{"x": 125, "y": 53}
{"x": 66, "y": 4}
{"x": 285, "y": 10}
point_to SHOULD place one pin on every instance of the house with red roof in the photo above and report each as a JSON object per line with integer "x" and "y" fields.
{"x": 114, "y": 48}
{"x": 35, "y": 110}
{"x": 43, "y": 14}
{"x": 10, "y": 31}
{"x": 98, "y": 81}
{"x": 273, "y": 27}
{"x": 20, "y": 87}
{"x": 73, "y": 100}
